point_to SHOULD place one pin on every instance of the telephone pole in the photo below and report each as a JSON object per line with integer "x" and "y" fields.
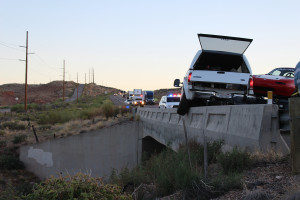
{"x": 93, "y": 76}
{"x": 64, "y": 82}
{"x": 85, "y": 78}
{"x": 25, "y": 104}
{"x": 89, "y": 76}
{"x": 26, "y": 71}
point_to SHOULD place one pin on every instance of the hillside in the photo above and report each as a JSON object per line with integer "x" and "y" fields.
{"x": 11, "y": 94}
{"x": 162, "y": 92}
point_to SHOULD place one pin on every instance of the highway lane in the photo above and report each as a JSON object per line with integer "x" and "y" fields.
{"x": 119, "y": 101}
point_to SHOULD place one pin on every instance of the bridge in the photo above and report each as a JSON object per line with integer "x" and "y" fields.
{"x": 251, "y": 127}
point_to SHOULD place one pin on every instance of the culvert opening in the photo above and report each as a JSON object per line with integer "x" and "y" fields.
{"x": 151, "y": 147}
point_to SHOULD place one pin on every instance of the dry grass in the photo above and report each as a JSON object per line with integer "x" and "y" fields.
{"x": 270, "y": 156}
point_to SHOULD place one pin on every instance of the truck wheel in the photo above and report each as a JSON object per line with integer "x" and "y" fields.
{"x": 184, "y": 106}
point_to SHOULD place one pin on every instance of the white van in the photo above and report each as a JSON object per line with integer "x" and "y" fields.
{"x": 218, "y": 73}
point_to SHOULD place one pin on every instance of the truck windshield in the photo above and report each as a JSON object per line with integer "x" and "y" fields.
{"x": 149, "y": 95}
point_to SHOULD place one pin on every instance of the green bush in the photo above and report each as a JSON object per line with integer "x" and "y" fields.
{"x": 54, "y": 117}
{"x": 171, "y": 171}
{"x": 79, "y": 186}
{"x": 33, "y": 106}
{"x": 18, "y": 108}
{"x": 10, "y": 162}
{"x": 235, "y": 161}
{"x": 223, "y": 183}
{"x": 2, "y": 132}
{"x": 90, "y": 113}
{"x": 13, "y": 126}
{"x": 19, "y": 139}
{"x": 108, "y": 109}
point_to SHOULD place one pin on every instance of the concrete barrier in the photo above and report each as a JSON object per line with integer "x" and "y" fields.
{"x": 96, "y": 152}
{"x": 252, "y": 127}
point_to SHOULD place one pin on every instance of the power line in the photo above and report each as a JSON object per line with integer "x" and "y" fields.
{"x": 8, "y": 59}
{"x": 11, "y": 47}
{"x": 45, "y": 64}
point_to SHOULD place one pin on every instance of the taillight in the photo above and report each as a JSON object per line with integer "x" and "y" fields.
{"x": 189, "y": 78}
{"x": 251, "y": 83}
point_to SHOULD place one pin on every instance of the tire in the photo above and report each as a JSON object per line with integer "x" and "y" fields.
{"x": 184, "y": 106}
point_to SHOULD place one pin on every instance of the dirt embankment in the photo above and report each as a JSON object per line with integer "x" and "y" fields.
{"x": 94, "y": 90}
{"x": 11, "y": 94}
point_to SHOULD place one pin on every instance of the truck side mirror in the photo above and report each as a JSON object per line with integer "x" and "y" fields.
{"x": 176, "y": 83}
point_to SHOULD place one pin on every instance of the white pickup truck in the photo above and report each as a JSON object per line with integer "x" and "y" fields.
{"x": 218, "y": 73}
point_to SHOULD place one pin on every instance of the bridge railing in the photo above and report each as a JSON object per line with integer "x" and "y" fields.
{"x": 254, "y": 127}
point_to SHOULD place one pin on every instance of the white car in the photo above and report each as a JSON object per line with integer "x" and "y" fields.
{"x": 170, "y": 101}
{"x": 128, "y": 102}
{"x": 218, "y": 74}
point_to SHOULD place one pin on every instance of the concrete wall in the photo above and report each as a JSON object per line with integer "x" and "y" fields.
{"x": 96, "y": 152}
{"x": 247, "y": 126}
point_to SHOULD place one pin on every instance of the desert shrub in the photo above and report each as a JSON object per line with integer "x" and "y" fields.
{"x": 234, "y": 161}
{"x": 54, "y": 117}
{"x": 116, "y": 111}
{"x": 90, "y": 113}
{"x": 225, "y": 182}
{"x": 19, "y": 139}
{"x": 214, "y": 148}
{"x": 171, "y": 171}
{"x": 3, "y": 143}
{"x": 9, "y": 193}
{"x": 32, "y": 106}
{"x": 270, "y": 156}
{"x": 18, "y": 108}
{"x": 10, "y": 162}
{"x": 13, "y": 126}
{"x": 2, "y": 132}
{"x": 108, "y": 109}
{"x": 125, "y": 177}
{"x": 79, "y": 186}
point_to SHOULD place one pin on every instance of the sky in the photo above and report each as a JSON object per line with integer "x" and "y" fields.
{"x": 138, "y": 44}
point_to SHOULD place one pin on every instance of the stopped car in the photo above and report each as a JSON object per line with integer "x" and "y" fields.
{"x": 170, "y": 101}
{"x": 128, "y": 102}
{"x": 138, "y": 102}
{"x": 280, "y": 81}
{"x": 218, "y": 73}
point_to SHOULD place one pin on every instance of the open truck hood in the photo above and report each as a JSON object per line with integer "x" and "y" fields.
{"x": 221, "y": 43}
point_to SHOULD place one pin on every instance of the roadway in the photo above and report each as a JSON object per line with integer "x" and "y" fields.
{"x": 119, "y": 101}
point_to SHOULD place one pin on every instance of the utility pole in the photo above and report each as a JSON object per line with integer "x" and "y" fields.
{"x": 64, "y": 82}
{"x": 26, "y": 71}
{"x": 85, "y": 78}
{"x": 25, "y": 104}
{"x": 89, "y": 76}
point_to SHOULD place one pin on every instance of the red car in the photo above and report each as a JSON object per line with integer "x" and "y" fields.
{"x": 279, "y": 80}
